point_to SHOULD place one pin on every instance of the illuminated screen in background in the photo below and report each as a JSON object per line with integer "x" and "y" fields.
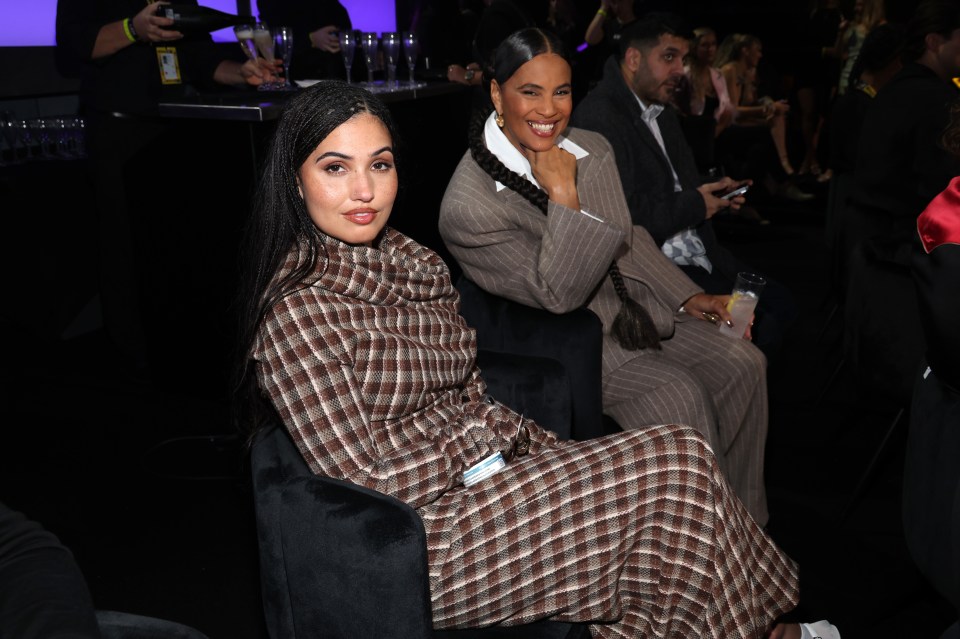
{"x": 31, "y": 23}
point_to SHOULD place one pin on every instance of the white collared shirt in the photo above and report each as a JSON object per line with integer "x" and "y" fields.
{"x": 650, "y": 115}
{"x": 685, "y": 247}
{"x": 503, "y": 149}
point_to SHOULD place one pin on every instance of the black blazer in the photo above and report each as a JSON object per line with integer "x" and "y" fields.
{"x": 611, "y": 109}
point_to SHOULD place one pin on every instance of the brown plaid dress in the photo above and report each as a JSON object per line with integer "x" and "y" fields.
{"x": 372, "y": 370}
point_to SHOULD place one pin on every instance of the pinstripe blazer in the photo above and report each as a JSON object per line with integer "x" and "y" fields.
{"x": 559, "y": 261}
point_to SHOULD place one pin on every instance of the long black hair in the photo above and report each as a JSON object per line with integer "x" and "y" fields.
{"x": 279, "y": 219}
{"x": 633, "y": 328}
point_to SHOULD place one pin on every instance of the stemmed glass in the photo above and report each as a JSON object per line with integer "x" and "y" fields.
{"x": 9, "y": 138}
{"x": 244, "y": 33}
{"x": 410, "y": 49}
{"x": 263, "y": 39}
{"x": 283, "y": 39}
{"x": 348, "y": 45}
{"x": 391, "y": 49}
{"x": 368, "y": 40}
{"x": 39, "y": 132}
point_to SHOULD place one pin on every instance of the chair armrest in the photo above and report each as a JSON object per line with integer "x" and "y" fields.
{"x": 331, "y": 551}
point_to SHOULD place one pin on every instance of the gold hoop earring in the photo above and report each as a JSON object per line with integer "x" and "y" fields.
{"x": 499, "y": 120}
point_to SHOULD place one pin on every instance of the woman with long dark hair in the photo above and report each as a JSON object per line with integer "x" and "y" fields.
{"x": 535, "y": 212}
{"x": 352, "y": 336}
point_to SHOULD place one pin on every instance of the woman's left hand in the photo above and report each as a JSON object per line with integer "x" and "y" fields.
{"x": 713, "y": 308}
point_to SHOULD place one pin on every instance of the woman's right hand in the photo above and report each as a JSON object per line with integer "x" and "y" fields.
{"x": 556, "y": 171}
{"x": 151, "y": 28}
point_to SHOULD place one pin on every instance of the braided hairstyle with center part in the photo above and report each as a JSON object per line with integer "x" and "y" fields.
{"x": 633, "y": 327}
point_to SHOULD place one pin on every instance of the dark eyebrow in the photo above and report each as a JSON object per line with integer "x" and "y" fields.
{"x": 344, "y": 156}
{"x": 333, "y": 154}
{"x": 534, "y": 85}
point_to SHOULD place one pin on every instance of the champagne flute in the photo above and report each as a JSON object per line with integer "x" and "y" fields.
{"x": 348, "y": 45}
{"x": 368, "y": 40}
{"x": 263, "y": 39}
{"x": 244, "y": 33}
{"x": 8, "y": 150}
{"x": 411, "y": 47}
{"x": 39, "y": 131}
{"x": 283, "y": 40}
{"x": 391, "y": 49}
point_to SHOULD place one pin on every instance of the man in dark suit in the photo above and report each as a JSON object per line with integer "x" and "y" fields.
{"x": 657, "y": 168}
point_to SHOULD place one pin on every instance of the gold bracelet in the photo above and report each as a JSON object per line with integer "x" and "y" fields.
{"x": 601, "y": 12}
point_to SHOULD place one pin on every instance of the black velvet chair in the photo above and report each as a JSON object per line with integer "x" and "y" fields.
{"x": 340, "y": 561}
{"x": 123, "y": 625}
{"x": 573, "y": 340}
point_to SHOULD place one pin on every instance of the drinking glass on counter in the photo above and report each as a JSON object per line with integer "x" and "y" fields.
{"x": 348, "y": 47}
{"x": 244, "y": 33}
{"x": 746, "y": 293}
{"x": 390, "y": 41}
{"x": 368, "y": 40}
{"x": 9, "y": 140}
{"x": 283, "y": 42}
{"x": 263, "y": 39}
{"x": 411, "y": 47}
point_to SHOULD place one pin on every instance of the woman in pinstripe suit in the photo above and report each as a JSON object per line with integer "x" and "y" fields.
{"x": 352, "y": 333}
{"x": 541, "y": 219}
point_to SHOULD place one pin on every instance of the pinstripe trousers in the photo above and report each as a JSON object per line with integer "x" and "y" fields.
{"x": 637, "y": 533}
{"x": 711, "y": 382}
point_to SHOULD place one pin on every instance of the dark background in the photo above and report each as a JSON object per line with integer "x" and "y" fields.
{"x": 143, "y": 476}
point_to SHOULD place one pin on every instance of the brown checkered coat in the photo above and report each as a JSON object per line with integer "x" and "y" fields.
{"x": 372, "y": 370}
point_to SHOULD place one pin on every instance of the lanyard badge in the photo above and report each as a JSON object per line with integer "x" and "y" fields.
{"x": 169, "y": 65}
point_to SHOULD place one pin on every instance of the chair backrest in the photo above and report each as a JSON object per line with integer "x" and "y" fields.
{"x": 574, "y": 339}
{"x": 337, "y": 560}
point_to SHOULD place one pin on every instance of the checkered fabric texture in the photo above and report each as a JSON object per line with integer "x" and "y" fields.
{"x": 373, "y": 372}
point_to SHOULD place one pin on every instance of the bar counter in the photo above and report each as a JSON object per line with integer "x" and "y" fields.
{"x": 264, "y": 106}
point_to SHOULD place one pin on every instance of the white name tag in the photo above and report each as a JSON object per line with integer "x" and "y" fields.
{"x": 489, "y": 466}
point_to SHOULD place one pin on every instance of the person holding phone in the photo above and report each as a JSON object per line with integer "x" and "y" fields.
{"x": 661, "y": 182}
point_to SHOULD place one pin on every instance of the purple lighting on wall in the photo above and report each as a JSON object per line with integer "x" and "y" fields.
{"x": 365, "y": 15}
{"x": 31, "y": 23}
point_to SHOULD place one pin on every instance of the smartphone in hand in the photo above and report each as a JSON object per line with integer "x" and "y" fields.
{"x": 735, "y": 192}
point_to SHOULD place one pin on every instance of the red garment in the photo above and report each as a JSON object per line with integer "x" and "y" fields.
{"x": 940, "y": 221}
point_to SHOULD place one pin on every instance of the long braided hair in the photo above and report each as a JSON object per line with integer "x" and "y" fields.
{"x": 633, "y": 328}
